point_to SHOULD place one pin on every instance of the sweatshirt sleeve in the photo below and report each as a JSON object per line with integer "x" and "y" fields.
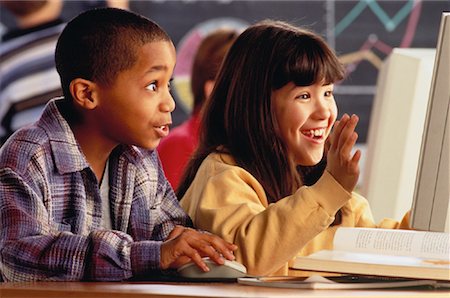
{"x": 232, "y": 204}
{"x": 364, "y": 218}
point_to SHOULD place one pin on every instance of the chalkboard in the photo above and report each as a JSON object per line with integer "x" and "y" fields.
{"x": 362, "y": 32}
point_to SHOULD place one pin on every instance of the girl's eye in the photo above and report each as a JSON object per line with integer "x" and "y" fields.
{"x": 151, "y": 86}
{"x": 303, "y": 96}
{"x": 328, "y": 93}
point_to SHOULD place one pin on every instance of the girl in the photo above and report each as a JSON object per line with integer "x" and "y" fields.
{"x": 258, "y": 178}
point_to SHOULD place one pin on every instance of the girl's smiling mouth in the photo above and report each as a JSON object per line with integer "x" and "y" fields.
{"x": 314, "y": 133}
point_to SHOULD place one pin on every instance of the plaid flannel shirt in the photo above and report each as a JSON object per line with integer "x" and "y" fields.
{"x": 50, "y": 208}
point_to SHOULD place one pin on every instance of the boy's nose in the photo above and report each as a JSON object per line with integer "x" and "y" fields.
{"x": 168, "y": 104}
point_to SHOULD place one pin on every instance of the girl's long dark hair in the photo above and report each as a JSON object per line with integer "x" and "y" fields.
{"x": 239, "y": 119}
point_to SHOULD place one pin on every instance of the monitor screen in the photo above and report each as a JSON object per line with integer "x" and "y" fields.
{"x": 430, "y": 207}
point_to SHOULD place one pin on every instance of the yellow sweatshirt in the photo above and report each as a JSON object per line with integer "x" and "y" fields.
{"x": 228, "y": 201}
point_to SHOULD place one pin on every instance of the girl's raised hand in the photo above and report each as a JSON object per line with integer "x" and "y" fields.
{"x": 341, "y": 164}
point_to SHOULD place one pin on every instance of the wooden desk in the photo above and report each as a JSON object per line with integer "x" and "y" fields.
{"x": 135, "y": 290}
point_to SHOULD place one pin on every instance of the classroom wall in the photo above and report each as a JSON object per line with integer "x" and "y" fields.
{"x": 362, "y": 32}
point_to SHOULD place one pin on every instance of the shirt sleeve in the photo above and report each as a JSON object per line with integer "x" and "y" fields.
{"x": 34, "y": 247}
{"x": 166, "y": 214}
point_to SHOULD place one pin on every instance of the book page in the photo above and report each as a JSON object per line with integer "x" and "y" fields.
{"x": 420, "y": 244}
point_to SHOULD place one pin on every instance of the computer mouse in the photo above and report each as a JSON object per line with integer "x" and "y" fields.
{"x": 229, "y": 270}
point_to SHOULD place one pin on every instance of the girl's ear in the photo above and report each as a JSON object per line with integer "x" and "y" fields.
{"x": 83, "y": 93}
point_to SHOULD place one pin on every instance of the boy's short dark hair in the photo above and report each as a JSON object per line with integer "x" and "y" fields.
{"x": 99, "y": 43}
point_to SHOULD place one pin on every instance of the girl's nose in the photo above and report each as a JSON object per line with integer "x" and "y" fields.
{"x": 322, "y": 108}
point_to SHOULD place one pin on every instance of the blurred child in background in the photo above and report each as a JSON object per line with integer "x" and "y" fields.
{"x": 175, "y": 150}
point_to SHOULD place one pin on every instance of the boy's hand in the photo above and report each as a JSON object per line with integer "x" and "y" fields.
{"x": 341, "y": 165}
{"x": 186, "y": 244}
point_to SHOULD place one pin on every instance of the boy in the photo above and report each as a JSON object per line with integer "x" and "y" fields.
{"x": 82, "y": 193}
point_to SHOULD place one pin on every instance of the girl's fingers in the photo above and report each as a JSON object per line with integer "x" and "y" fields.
{"x": 347, "y": 131}
{"x": 347, "y": 147}
{"x": 355, "y": 160}
{"x": 332, "y": 138}
{"x": 337, "y": 129}
{"x": 342, "y": 164}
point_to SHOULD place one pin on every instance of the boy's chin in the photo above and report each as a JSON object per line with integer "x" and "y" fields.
{"x": 149, "y": 145}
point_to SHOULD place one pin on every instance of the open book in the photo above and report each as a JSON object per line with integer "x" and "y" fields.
{"x": 318, "y": 282}
{"x": 383, "y": 252}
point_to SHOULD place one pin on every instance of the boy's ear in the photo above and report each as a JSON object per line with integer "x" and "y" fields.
{"x": 83, "y": 93}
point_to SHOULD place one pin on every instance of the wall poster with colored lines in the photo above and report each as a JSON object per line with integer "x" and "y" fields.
{"x": 362, "y": 32}
{"x": 365, "y": 32}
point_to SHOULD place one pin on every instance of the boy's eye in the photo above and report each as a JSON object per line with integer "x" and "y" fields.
{"x": 151, "y": 86}
{"x": 328, "y": 93}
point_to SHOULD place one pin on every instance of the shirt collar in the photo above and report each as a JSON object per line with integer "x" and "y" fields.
{"x": 66, "y": 152}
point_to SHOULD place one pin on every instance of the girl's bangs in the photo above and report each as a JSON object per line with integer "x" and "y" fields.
{"x": 314, "y": 67}
{"x": 310, "y": 64}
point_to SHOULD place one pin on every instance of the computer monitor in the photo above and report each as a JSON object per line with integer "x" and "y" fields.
{"x": 396, "y": 164}
{"x": 431, "y": 207}
{"x": 395, "y": 131}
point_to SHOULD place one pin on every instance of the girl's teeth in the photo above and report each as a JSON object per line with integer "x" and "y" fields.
{"x": 315, "y": 132}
